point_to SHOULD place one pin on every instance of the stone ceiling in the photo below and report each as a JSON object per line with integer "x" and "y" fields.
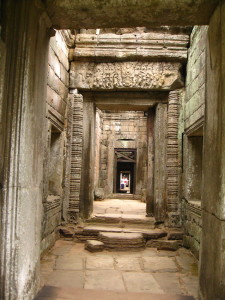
{"x": 75, "y": 14}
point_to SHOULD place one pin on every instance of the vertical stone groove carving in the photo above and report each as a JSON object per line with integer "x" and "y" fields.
{"x": 76, "y": 157}
{"x": 172, "y": 159}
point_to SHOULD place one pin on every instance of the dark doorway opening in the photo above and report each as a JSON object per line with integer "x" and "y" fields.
{"x": 125, "y": 171}
{"x": 125, "y": 178}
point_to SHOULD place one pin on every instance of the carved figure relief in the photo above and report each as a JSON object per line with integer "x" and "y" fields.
{"x": 138, "y": 75}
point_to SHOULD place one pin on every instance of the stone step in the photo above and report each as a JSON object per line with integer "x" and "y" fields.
{"x": 122, "y": 219}
{"x": 171, "y": 245}
{"x": 54, "y": 293}
{"x": 91, "y": 232}
{"x": 121, "y": 240}
{"x": 126, "y": 196}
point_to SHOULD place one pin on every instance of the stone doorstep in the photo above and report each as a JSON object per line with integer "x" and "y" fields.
{"x": 50, "y": 292}
{"x": 171, "y": 245}
{"x": 154, "y": 238}
{"x": 121, "y": 240}
{"x": 122, "y": 219}
{"x": 94, "y": 246}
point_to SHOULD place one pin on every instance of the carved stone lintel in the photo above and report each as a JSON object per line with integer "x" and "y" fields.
{"x": 125, "y": 75}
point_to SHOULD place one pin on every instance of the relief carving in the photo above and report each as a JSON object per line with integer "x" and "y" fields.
{"x": 127, "y": 75}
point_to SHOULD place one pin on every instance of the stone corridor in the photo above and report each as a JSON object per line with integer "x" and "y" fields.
{"x": 103, "y": 99}
{"x": 124, "y": 275}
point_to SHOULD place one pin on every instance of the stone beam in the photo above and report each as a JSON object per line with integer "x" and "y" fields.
{"x": 70, "y": 14}
{"x": 132, "y": 46}
{"x": 125, "y": 76}
{"x": 138, "y": 101}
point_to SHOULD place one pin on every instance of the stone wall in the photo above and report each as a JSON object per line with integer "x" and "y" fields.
{"x": 196, "y": 79}
{"x": 23, "y": 133}
{"x": 56, "y": 108}
{"x": 212, "y": 250}
{"x": 123, "y": 130}
{"x": 192, "y": 217}
{"x": 194, "y": 114}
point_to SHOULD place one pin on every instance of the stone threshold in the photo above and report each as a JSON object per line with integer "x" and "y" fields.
{"x": 55, "y": 293}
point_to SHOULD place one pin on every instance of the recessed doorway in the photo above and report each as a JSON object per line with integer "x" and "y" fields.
{"x": 125, "y": 171}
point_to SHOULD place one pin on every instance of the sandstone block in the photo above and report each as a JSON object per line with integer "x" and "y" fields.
{"x": 94, "y": 246}
{"x": 154, "y": 234}
{"x": 66, "y": 231}
{"x": 163, "y": 244}
{"x": 175, "y": 235}
{"x": 121, "y": 240}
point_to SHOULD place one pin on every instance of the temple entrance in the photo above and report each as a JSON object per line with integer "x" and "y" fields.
{"x": 125, "y": 171}
{"x": 125, "y": 178}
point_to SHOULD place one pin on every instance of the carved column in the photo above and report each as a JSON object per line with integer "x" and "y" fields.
{"x": 76, "y": 154}
{"x": 172, "y": 160}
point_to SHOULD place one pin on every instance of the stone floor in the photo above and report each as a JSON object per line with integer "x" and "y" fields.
{"x": 149, "y": 271}
{"x": 120, "y": 207}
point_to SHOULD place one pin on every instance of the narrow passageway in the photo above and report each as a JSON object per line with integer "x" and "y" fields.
{"x": 140, "y": 271}
{"x": 69, "y": 271}
{"x": 120, "y": 206}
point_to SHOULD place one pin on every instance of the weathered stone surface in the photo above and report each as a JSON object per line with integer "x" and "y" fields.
{"x": 144, "y": 45}
{"x": 69, "y": 262}
{"x": 121, "y": 240}
{"x": 175, "y": 235}
{"x": 163, "y": 244}
{"x": 100, "y": 262}
{"x": 125, "y": 75}
{"x": 94, "y": 246}
{"x": 105, "y": 218}
{"x": 154, "y": 234}
{"x": 104, "y": 280}
{"x": 159, "y": 264}
{"x": 111, "y": 14}
{"x": 66, "y": 278}
{"x": 136, "y": 282}
{"x": 67, "y": 231}
{"x": 99, "y": 194}
{"x": 75, "y": 155}
{"x": 127, "y": 263}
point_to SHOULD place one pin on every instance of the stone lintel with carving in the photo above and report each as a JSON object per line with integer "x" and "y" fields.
{"x": 139, "y": 45}
{"x": 125, "y": 76}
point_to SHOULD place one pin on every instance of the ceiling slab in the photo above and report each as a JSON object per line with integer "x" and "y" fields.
{"x": 75, "y": 14}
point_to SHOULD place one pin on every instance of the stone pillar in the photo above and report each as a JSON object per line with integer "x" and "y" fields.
{"x": 173, "y": 218}
{"x": 150, "y": 179}
{"x": 160, "y": 136}
{"x": 88, "y": 160}
{"x": 76, "y": 154}
{"x": 23, "y": 135}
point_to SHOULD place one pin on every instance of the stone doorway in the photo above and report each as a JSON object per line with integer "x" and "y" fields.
{"x": 125, "y": 171}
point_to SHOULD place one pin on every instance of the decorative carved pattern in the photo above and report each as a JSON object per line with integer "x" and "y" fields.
{"x": 125, "y": 75}
{"x": 172, "y": 158}
{"x": 76, "y": 157}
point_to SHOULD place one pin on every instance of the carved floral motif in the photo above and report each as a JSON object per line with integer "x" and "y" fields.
{"x": 140, "y": 75}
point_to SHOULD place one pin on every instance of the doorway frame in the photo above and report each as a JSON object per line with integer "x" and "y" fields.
{"x": 134, "y": 161}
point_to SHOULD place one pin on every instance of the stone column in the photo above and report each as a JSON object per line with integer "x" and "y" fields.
{"x": 160, "y": 174}
{"x": 76, "y": 154}
{"x": 173, "y": 218}
{"x": 150, "y": 179}
{"x": 23, "y": 134}
{"x": 88, "y": 160}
